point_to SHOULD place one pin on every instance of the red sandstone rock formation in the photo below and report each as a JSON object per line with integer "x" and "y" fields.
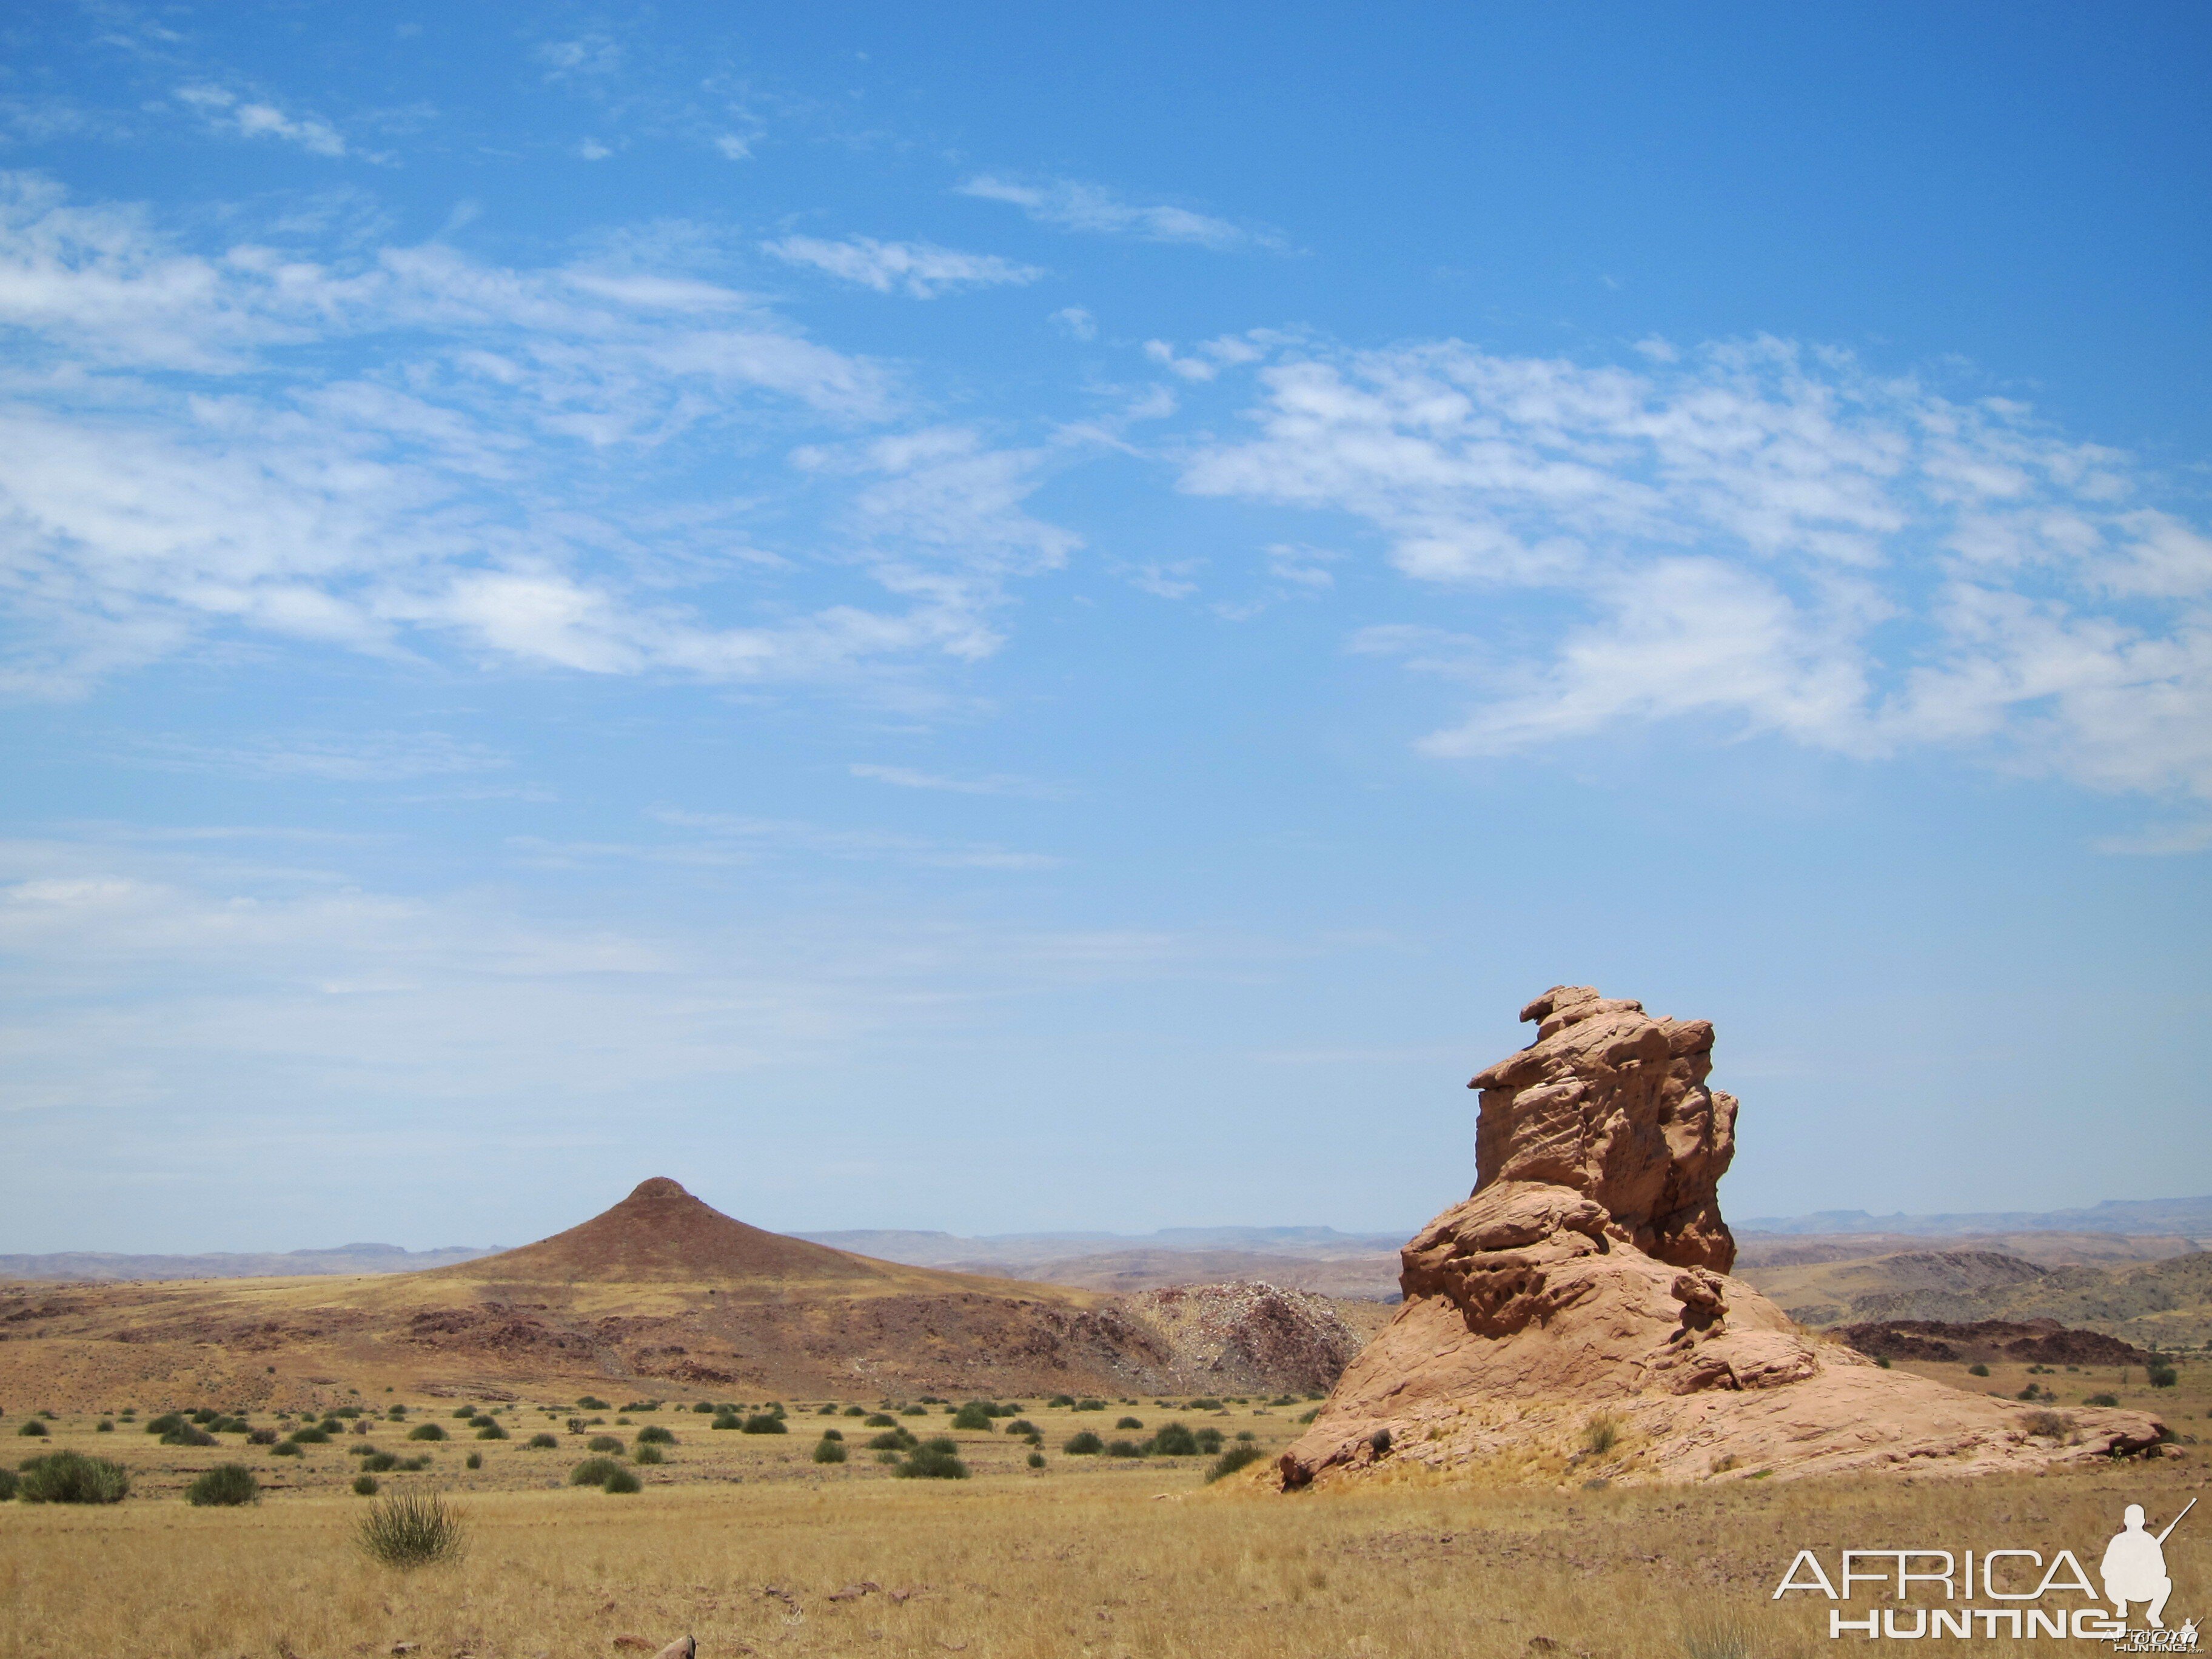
{"x": 1575, "y": 1313}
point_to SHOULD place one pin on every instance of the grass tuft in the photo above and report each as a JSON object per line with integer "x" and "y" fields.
{"x": 412, "y": 1529}
{"x": 226, "y": 1484}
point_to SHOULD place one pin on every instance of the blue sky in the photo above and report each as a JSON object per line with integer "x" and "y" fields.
{"x": 1025, "y": 620}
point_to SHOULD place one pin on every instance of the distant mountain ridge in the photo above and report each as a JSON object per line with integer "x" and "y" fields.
{"x": 2188, "y": 1216}
{"x": 940, "y": 1250}
{"x": 100, "y": 1265}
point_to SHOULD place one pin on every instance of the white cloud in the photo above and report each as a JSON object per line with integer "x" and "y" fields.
{"x": 225, "y": 111}
{"x": 337, "y": 758}
{"x": 997, "y": 783}
{"x": 1067, "y": 204}
{"x": 451, "y": 493}
{"x": 1076, "y": 322}
{"x": 921, "y": 269}
{"x": 734, "y": 148}
{"x": 1761, "y": 534}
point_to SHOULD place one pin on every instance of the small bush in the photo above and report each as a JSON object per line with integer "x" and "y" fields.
{"x": 421, "y": 1432}
{"x": 378, "y": 1462}
{"x": 603, "y": 1443}
{"x": 1090, "y": 1405}
{"x": 1175, "y": 1440}
{"x": 190, "y": 1434}
{"x": 1307, "y": 1416}
{"x": 591, "y": 1402}
{"x": 474, "y": 1461}
{"x": 1062, "y": 1400}
{"x": 261, "y": 1438}
{"x": 364, "y": 1486}
{"x": 491, "y": 1431}
{"x": 1209, "y": 1440}
{"x": 1721, "y": 1637}
{"x": 830, "y": 1410}
{"x": 2163, "y": 1377}
{"x": 2102, "y": 1400}
{"x": 1600, "y": 1433}
{"x": 880, "y": 1420}
{"x": 104, "y": 1427}
{"x": 412, "y": 1529}
{"x": 1128, "y": 1422}
{"x": 931, "y": 1463}
{"x": 2048, "y": 1425}
{"x": 1124, "y": 1448}
{"x": 854, "y": 1411}
{"x": 225, "y": 1484}
{"x": 68, "y": 1476}
{"x": 1021, "y": 1425}
{"x": 1882, "y": 1360}
{"x": 728, "y": 1420}
{"x": 541, "y": 1443}
{"x": 36, "y": 1430}
{"x": 829, "y": 1451}
{"x": 764, "y": 1423}
{"x": 1037, "y": 1460}
{"x": 1229, "y": 1462}
{"x": 1977, "y": 1369}
{"x": 832, "y": 1434}
{"x": 975, "y": 1414}
{"x": 622, "y": 1481}
{"x": 1379, "y": 1443}
{"x": 893, "y": 1440}
{"x": 1086, "y": 1444}
{"x": 165, "y": 1422}
{"x": 914, "y": 1411}
{"x": 7, "y": 1485}
{"x": 654, "y": 1434}
{"x": 286, "y": 1448}
{"x": 649, "y": 1455}
{"x": 594, "y": 1472}
{"x": 1207, "y": 1404}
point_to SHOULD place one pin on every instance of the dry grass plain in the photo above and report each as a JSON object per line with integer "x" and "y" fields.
{"x": 1087, "y": 1557}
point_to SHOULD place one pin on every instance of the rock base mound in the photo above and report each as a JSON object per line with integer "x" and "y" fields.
{"x": 1575, "y": 1313}
{"x": 1246, "y": 1337}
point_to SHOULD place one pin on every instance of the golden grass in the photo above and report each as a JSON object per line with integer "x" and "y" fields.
{"x": 1139, "y": 1561}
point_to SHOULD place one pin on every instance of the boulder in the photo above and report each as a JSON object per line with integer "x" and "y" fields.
{"x": 1574, "y": 1315}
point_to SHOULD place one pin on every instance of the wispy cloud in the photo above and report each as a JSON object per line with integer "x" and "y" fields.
{"x": 995, "y": 783}
{"x": 338, "y": 757}
{"x": 1765, "y": 534}
{"x": 1068, "y": 204}
{"x": 451, "y": 492}
{"x": 249, "y": 118}
{"x": 919, "y": 269}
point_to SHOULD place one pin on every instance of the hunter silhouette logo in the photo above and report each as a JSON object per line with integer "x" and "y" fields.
{"x": 2024, "y": 1593}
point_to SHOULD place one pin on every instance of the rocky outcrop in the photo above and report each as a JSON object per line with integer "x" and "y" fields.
{"x": 1576, "y": 1313}
{"x": 2034, "y": 1342}
{"x": 1242, "y": 1336}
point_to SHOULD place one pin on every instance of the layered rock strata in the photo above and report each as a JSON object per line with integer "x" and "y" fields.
{"x": 1574, "y": 1316}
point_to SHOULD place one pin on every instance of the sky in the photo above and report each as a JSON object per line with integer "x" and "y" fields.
{"x": 1026, "y": 619}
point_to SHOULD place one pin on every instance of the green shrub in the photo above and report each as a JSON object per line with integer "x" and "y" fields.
{"x": 412, "y": 1529}
{"x": 2162, "y": 1376}
{"x": 728, "y": 1420}
{"x": 190, "y": 1434}
{"x": 622, "y": 1481}
{"x": 1090, "y": 1405}
{"x": 491, "y": 1431}
{"x": 286, "y": 1448}
{"x": 1235, "y": 1458}
{"x": 1086, "y": 1444}
{"x": 1205, "y": 1404}
{"x": 649, "y": 1455}
{"x": 832, "y": 1434}
{"x": 975, "y": 1414}
{"x": 364, "y": 1486}
{"x": 1124, "y": 1448}
{"x": 7, "y": 1485}
{"x": 1021, "y": 1425}
{"x": 830, "y": 1410}
{"x": 1977, "y": 1369}
{"x": 764, "y": 1423}
{"x": 1062, "y": 1400}
{"x": 1600, "y": 1433}
{"x": 541, "y": 1442}
{"x": 893, "y": 1440}
{"x": 1037, "y": 1460}
{"x": 1209, "y": 1440}
{"x": 32, "y": 1427}
{"x": 591, "y": 1402}
{"x": 603, "y": 1443}
{"x": 654, "y": 1434}
{"x": 594, "y": 1472}
{"x": 1176, "y": 1440}
{"x": 2102, "y": 1400}
{"x": 379, "y": 1461}
{"x": 829, "y": 1451}
{"x": 165, "y": 1422}
{"x": 225, "y": 1484}
{"x": 68, "y": 1476}
{"x": 914, "y": 1411}
{"x": 421, "y": 1431}
{"x": 854, "y": 1411}
{"x": 1242, "y": 1434}
{"x": 104, "y": 1427}
{"x": 1128, "y": 1422}
{"x": 1882, "y": 1360}
{"x": 933, "y": 1461}
{"x": 880, "y": 1420}
{"x": 474, "y": 1461}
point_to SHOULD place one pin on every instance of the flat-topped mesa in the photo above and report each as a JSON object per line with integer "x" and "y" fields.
{"x": 1611, "y": 1103}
